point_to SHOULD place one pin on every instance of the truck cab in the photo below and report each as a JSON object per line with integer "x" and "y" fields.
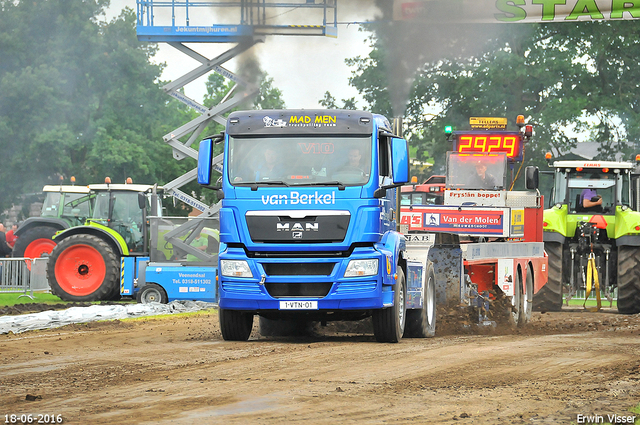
{"x": 308, "y": 219}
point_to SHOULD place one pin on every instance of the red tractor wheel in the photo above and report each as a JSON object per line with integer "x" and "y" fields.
{"x": 35, "y": 242}
{"x": 83, "y": 268}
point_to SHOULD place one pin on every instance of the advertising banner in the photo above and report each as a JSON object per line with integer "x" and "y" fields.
{"x": 489, "y": 222}
{"x": 508, "y": 11}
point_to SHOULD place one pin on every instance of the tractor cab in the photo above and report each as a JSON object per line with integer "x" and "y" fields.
{"x": 62, "y": 202}
{"x": 117, "y": 206}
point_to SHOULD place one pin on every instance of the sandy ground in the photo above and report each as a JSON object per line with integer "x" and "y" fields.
{"x": 180, "y": 371}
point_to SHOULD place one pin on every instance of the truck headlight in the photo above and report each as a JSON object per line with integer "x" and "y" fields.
{"x": 358, "y": 268}
{"x": 235, "y": 268}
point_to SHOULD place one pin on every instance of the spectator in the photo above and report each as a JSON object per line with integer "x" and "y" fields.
{"x": 11, "y": 236}
{"x": 5, "y": 249}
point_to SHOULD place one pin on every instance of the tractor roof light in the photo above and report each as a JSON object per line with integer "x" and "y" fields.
{"x": 605, "y": 170}
{"x": 638, "y": 157}
{"x": 448, "y": 129}
{"x": 414, "y": 180}
{"x": 129, "y": 180}
{"x": 578, "y": 169}
{"x": 520, "y": 120}
{"x": 107, "y": 180}
{"x": 73, "y": 180}
{"x": 548, "y": 155}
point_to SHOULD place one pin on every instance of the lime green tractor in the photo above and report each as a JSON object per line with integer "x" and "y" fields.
{"x": 593, "y": 219}
{"x": 85, "y": 262}
{"x": 64, "y": 206}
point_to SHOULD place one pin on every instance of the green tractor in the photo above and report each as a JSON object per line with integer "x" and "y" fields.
{"x": 64, "y": 206}
{"x": 593, "y": 215}
{"x": 85, "y": 263}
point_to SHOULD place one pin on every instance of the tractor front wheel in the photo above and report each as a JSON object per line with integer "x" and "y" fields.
{"x": 84, "y": 268}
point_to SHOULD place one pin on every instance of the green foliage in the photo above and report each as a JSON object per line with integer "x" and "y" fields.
{"x": 565, "y": 78}
{"x": 80, "y": 97}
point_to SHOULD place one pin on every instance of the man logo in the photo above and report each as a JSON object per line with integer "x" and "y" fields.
{"x": 297, "y": 227}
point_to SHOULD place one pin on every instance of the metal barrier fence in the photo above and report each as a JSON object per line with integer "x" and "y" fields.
{"x": 23, "y": 276}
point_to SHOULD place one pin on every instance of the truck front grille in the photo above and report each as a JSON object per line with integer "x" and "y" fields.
{"x": 287, "y": 290}
{"x": 298, "y": 269}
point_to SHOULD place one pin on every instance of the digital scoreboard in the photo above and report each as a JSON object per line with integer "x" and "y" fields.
{"x": 489, "y": 142}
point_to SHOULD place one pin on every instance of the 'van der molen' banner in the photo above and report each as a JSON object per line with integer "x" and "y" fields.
{"x": 508, "y": 11}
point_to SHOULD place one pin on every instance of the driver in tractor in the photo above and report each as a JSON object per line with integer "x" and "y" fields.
{"x": 589, "y": 198}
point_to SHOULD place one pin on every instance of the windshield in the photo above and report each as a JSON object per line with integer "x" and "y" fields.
{"x": 465, "y": 171}
{"x": 299, "y": 161}
{"x": 591, "y": 186}
{"x": 50, "y": 205}
{"x": 421, "y": 198}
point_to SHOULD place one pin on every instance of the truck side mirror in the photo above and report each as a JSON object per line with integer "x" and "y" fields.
{"x": 142, "y": 201}
{"x": 531, "y": 177}
{"x": 400, "y": 160}
{"x": 205, "y": 158}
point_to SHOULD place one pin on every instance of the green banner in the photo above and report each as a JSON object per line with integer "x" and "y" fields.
{"x": 507, "y": 11}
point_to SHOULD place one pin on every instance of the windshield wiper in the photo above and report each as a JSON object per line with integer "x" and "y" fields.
{"x": 340, "y": 185}
{"x": 254, "y": 185}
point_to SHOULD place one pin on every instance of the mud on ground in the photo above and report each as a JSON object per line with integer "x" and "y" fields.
{"x": 179, "y": 370}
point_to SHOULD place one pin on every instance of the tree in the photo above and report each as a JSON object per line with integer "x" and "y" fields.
{"x": 562, "y": 77}
{"x": 78, "y": 97}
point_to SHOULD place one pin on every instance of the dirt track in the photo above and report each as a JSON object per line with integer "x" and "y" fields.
{"x": 180, "y": 371}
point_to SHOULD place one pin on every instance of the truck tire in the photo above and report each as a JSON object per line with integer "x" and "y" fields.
{"x": 152, "y": 293}
{"x": 549, "y": 297}
{"x": 422, "y": 323}
{"x": 628, "y": 280}
{"x": 84, "y": 268}
{"x": 388, "y": 323}
{"x": 35, "y": 242}
{"x": 235, "y": 325}
{"x": 527, "y": 298}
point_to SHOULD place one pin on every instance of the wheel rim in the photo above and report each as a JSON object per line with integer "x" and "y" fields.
{"x": 80, "y": 270}
{"x": 39, "y": 248}
{"x": 151, "y": 296}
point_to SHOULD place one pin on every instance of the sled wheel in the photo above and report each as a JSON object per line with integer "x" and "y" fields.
{"x": 388, "y": 323}
{"x": 152, "y": 293}
{"x": 527, "y": 298}
{"x": 235, "y": 325}
{"x": 83, "y": 268}
{"x": 516, "y": 301}
{"x": 422, "y": 323}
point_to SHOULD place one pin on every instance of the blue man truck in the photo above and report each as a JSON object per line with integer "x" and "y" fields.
{"x": 308, "y": 224}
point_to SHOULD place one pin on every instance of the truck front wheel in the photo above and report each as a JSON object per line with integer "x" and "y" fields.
{"x": 388, "y": 323}
{"x": 549, "y": 297}
{"x": 628, "y": 280}
{"x": 235, "y": 325}
{"x": 422, "y": 323}
{"x": 84, "y": 268}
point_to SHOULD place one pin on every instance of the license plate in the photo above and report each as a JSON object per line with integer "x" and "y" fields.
{"x": 298, "y": 305}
